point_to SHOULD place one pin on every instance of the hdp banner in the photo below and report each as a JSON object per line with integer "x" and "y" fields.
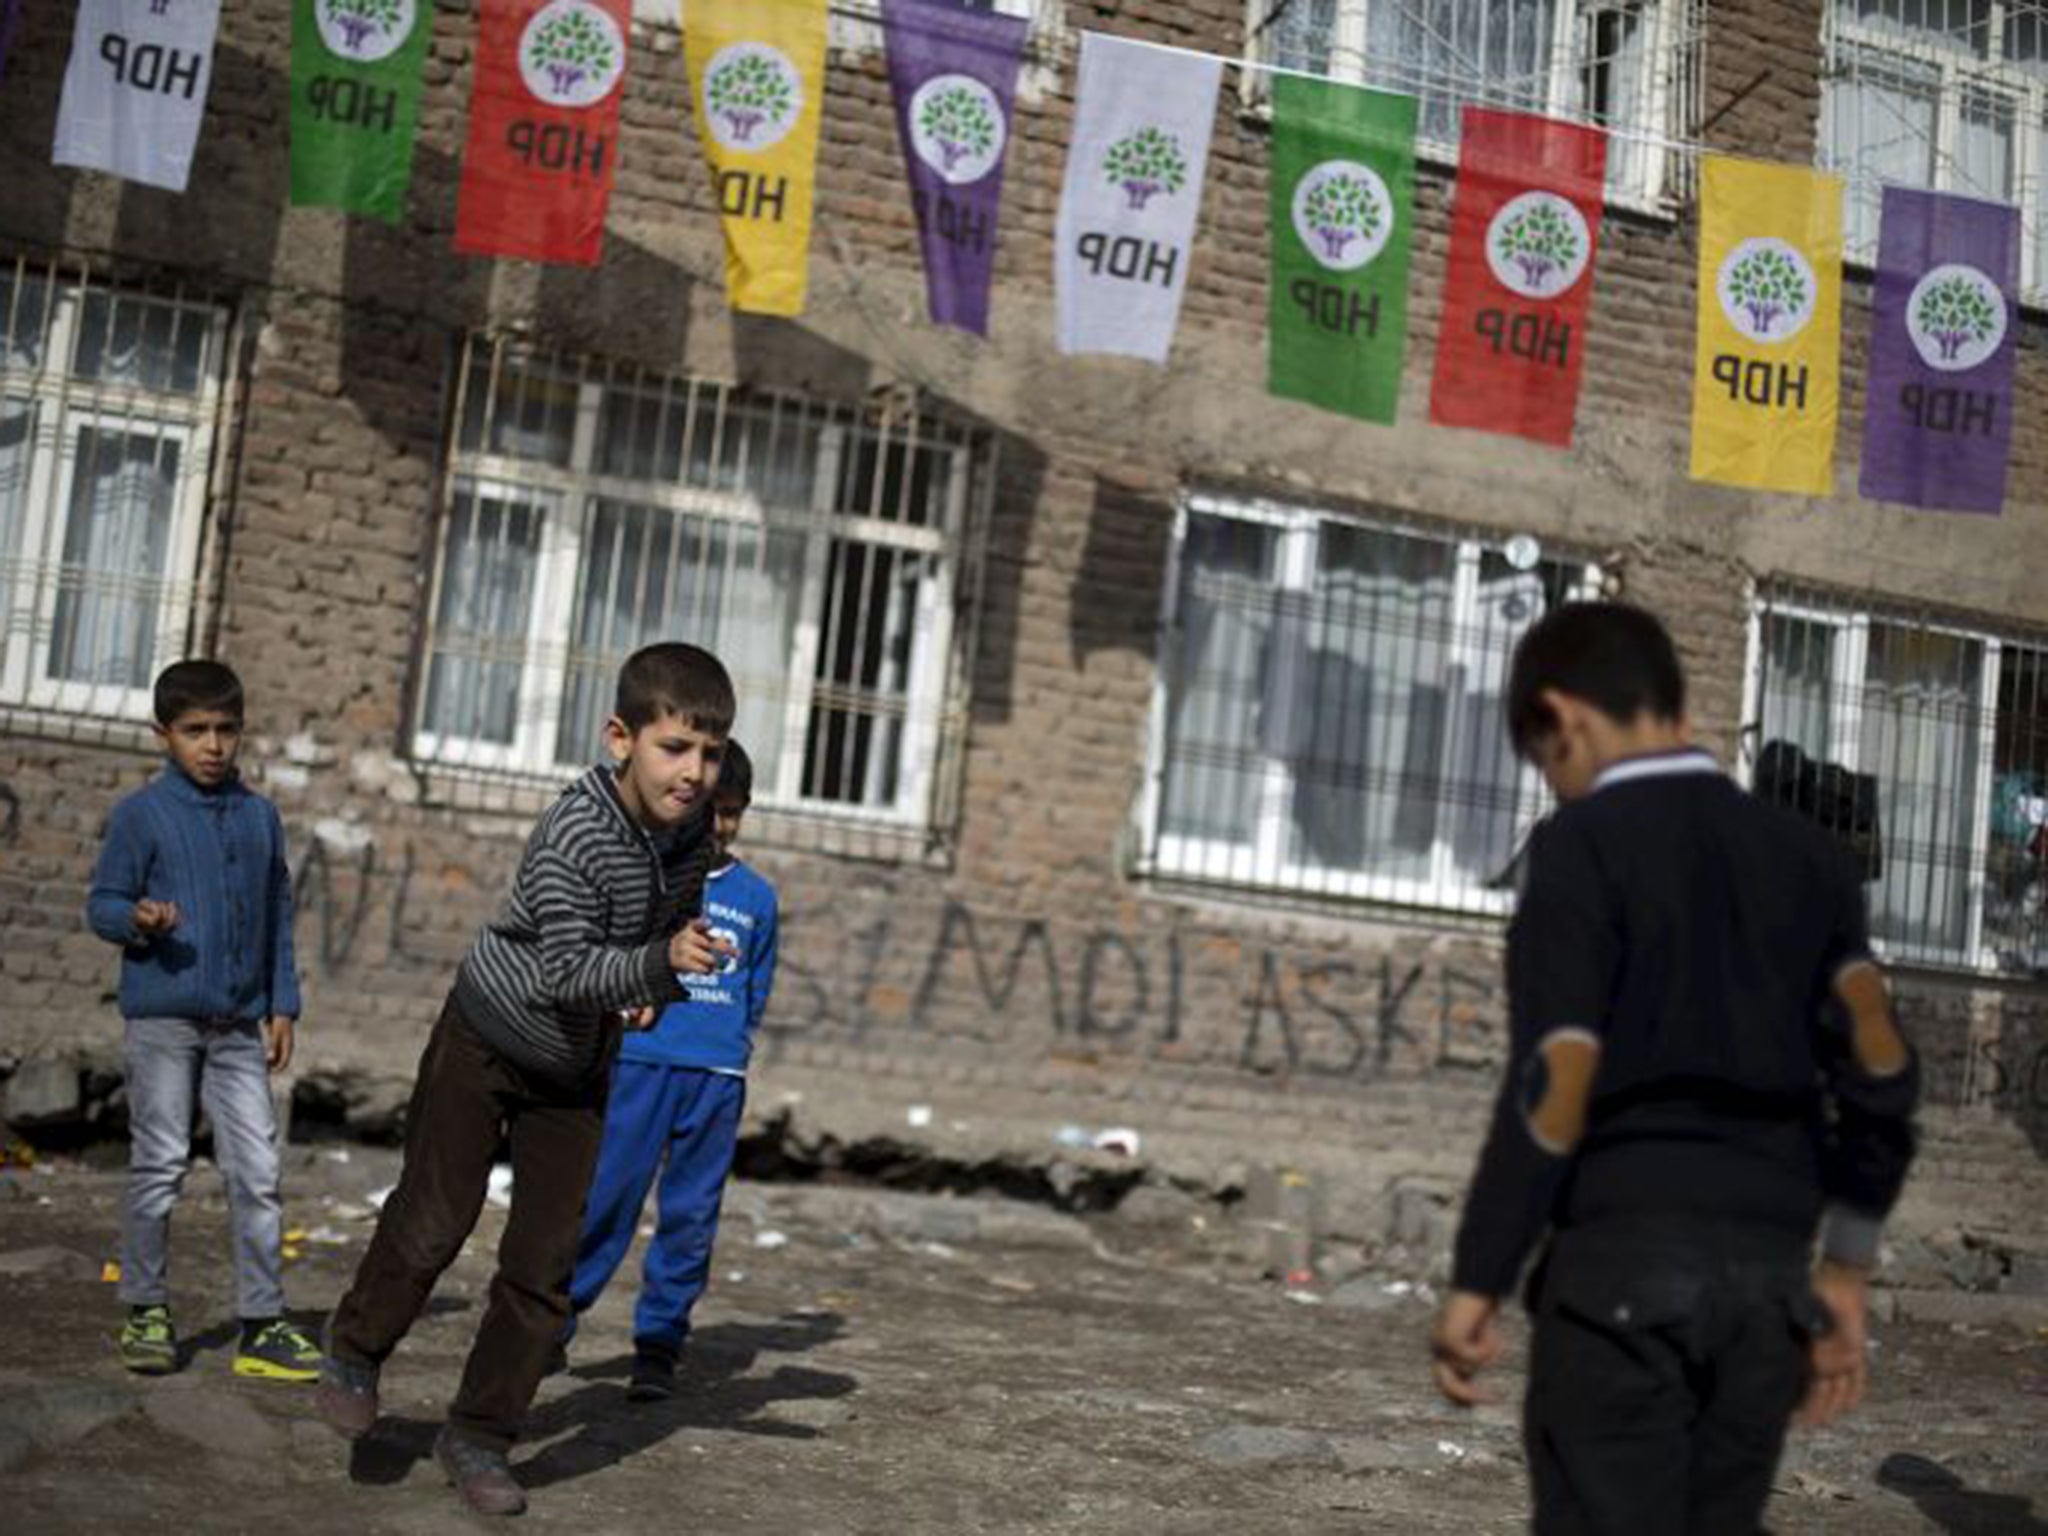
{"x": 1937, "y": 425}
{"x": 1135, "y": 167}
{"x": 135, "y": 88}
{"x": 1524, "y": 229}
{"x": 1343, "y": 191}
{"x": 757, "y": 77}
{"x": 954, "y": 75}
{"x": 1767, "y": 379}
{"x": 543, "y": 129}
{"x": 356, "y": 102}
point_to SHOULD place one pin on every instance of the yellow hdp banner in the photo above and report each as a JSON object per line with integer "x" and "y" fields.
{"x": 757, "y": 79}
{"x": 1767, "y": 377}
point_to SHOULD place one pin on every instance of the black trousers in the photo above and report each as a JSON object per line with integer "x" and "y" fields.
{"x": 466, "y": 1100}
{"x": 1665, "y": 1365}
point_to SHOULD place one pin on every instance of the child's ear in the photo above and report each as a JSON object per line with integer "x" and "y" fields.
{"x": 618, "y": 739}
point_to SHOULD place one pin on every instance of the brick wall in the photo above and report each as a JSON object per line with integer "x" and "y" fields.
{"x": 1021, "y": 962}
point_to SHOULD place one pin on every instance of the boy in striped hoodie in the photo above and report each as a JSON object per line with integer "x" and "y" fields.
{"x": 603, "y": 915}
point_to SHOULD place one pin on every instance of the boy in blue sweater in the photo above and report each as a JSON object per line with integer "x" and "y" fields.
{"x": 191, "y": 883}
{"x": 678, "y": 1090}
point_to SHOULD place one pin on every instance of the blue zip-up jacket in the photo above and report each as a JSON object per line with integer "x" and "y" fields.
{"x": 714, "y": 1029}
{"x": 219, "y": 854}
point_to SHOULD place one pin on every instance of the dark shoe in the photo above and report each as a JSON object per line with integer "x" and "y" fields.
{"x": 275, "y": 1350}
{"x": 558, "y": 1359}
{"x": 346, "y": 1398}
{"x": 481, "y": 1475}
{"x": 149, "y": 1344}
{"x": 654, "y": 1375}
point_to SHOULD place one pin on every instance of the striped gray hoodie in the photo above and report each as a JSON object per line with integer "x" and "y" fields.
{"x": 585, "y": 932}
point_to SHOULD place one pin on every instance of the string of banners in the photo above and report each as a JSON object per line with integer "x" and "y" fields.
{"x": 543, "y": 149}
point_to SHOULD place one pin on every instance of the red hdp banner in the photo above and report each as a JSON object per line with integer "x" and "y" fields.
{"x": 1523, "y": 234}
{"x": 543, "y": 129}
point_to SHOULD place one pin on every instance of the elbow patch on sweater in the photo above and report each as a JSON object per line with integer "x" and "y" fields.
{"x": 1873, "y": 1027}
{"x": 1560, "y": 1090}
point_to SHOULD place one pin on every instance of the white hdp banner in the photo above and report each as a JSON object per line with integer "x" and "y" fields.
{"x": 135, "y": 88}
{"x": 1134, "y": 185}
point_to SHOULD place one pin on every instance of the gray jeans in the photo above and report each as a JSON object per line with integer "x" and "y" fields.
{"x": 221, "y": 1063}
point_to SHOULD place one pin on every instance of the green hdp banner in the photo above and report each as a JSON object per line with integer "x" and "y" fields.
{"x": 1343, "y": 206}
{"x": 356, "y": 68}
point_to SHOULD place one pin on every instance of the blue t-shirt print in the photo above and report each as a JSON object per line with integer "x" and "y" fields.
{"x": 714, "y": 1029}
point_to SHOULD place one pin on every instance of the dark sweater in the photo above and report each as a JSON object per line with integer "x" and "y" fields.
{"x": 219, "y": 854}
{"x": 585, "y": 932}
{"x": 1696, "y": 933}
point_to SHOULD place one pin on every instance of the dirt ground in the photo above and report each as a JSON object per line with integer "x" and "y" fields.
{"x": 879, "y": 1362}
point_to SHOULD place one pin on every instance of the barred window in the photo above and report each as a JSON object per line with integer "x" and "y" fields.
{"x": 1631, "y": 66}
{"x": 1329, "y": 718}
{"x": 1952, "y": 723}
{"x": 593, "y": 509}
{"x": 1945, "y": 94}
{"x": 108, "y": 403}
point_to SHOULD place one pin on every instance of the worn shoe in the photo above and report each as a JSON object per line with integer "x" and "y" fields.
{"x": 481, "y": 1475}
{"x": 149, "y": 1344}
{"x": 654, "y": 1375}
{"x": 346, "y": 1398}
{"x": 277, "y": 1351}
{"x": 558, "y": 1359}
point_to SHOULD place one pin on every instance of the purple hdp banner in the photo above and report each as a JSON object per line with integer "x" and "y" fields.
{"x": 1937, "y": 427}
{"x": 954, "y": 74}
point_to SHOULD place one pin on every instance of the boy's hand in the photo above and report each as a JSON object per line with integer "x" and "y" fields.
{"x": 1839, "y": 1360}
{"x": 694, "y": 950}
{"x": 277, "y": 1043}
{"x": 154, "y": 917}
{"x": 638, "y": 1018}
{"x": 1465, "y": 1341}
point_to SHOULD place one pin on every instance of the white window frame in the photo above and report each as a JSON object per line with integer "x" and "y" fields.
{"x": 62, "y": 405}
{"x": 569, "y": 498}
{"x": 1960, "y": 72}
{"x": 1849, "y": 630}
{"x": 1261, "y": 864}
{"x": 1655, "y": 182}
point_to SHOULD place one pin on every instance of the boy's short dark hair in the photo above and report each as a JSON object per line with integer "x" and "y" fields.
{"x": 184, "y": 686}
{"x": 672, "y": 678}
{"x": 735, "y": 776}
{"x": 1616, "y": 657}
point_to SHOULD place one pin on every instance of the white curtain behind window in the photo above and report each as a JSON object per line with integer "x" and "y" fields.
{"x": 116, "y": 550}
{"x": 1878, "y": 121}
{"x": 485, "y": 613}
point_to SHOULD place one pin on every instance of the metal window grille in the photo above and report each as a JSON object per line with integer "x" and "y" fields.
{"x": 592, "y": 509}
{"x": 1952, "y": 722}
{"x": 109, "y": 399}
{"x": 1329, "y": 712}
{"x": 1946, "y": 94}
{"x": 1631, "y": 66}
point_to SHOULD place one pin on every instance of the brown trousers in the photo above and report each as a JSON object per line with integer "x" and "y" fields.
{"x": 466, "y": 1101}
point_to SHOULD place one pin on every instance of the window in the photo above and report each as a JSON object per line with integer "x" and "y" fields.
{"x": 1329, "y": 712}
{"x": 107, "y": 406}
{"x": 1948, "y": 94}
{"x": 593, "y": 510}
{"x": 1629, "y": 66}
{"x": 1952, "y": 722}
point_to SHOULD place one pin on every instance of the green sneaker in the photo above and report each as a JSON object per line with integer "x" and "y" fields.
{"x": 149, "y": 1344}
{"x": 276, "y": 1350}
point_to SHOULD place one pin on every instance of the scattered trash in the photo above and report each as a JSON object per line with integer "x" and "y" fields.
{"x": 919, "y": 1116}
{"x": 329, "y": 1237}
{"x": 735, "y": 1276}
{"x": 1452, "y": 1449}
{"x": 771, "y": 1239}
{"x": 499, "y": 1190}
{"x": 1073, "y": 1136}
{"x": 1120, "y": 1139}
{"x": 938, "y": 1250}
{"x": 292, "y": 1255}
{"x": 647, "y": 1229}
{"x": 1012, "y": 1283}
{"x": 110, "y": 1272}
{"x": 295, "y": 1235}
{"x": 16, "y": 1153}
{"x": 336, "y": 1154}
{"x": 1306, "y": 1298}
{"x": 377, "y": 1197}
{"x": 961, "y": 1127}
{"x": 2035, "y": 1386}
{"x": 1299, "y": 1279}
{"x": 344, "y": 1210}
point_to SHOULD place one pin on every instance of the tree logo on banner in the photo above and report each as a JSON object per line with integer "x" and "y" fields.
{"x": 1956, "y": 317}
{"x": 1343, "y": 214}
{"x": 1538, "y": 245}
{"x": 364, "y": 31}
{"x": 1145, "y": 164}
{"x": 571, "y": 54}
{"x": 1767, "y": 289}
{"x": 957, "y": 128}
{"x": 752, "y": 96}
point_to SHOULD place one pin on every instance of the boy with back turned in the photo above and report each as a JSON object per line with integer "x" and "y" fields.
{"x": 601, "y": 918}
{"x": 1704, "y": 1071}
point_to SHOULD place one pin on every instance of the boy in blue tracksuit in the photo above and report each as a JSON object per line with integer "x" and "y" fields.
{"x": 677, "y": 1094}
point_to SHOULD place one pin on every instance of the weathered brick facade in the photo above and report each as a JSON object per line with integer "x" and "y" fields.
{"x": 1014, "y": 969}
